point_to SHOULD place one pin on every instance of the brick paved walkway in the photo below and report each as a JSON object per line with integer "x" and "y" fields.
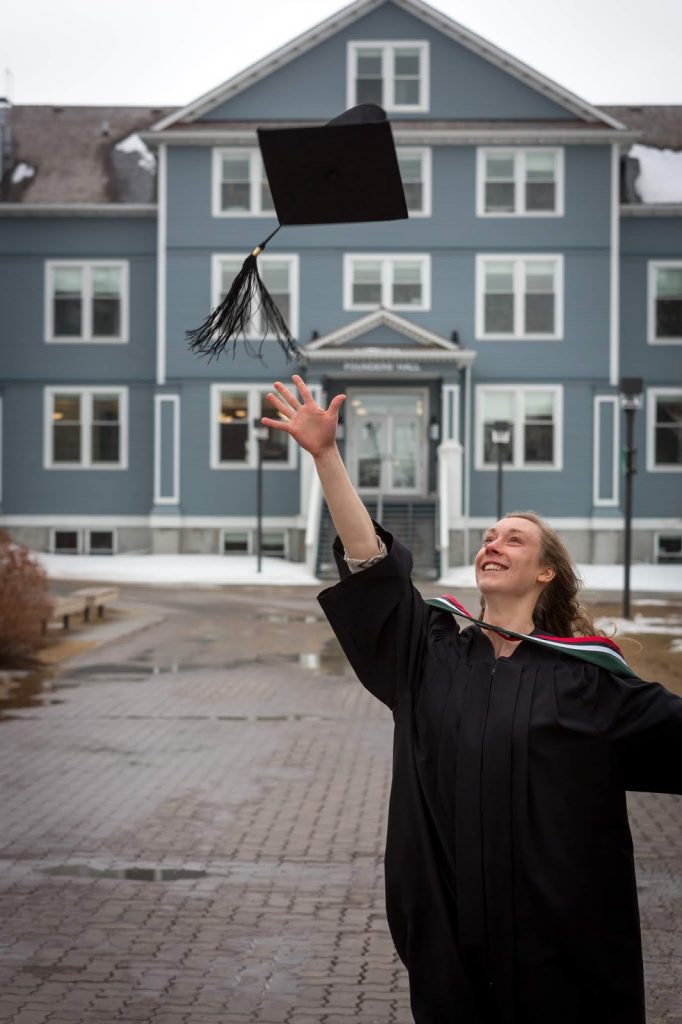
{"x": 243, "y": 748}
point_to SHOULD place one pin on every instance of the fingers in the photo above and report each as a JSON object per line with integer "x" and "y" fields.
{"x": 275, "y": 424}
{"x": 284, "y": 410}
{"x": 336, "y": 403}
{"x": 287, "y": 395}
{"x": 302, "y": 387}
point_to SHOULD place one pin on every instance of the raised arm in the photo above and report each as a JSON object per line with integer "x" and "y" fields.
{"x": 314, "y": 428}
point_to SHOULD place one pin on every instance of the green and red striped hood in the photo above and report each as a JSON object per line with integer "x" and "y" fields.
{"x": 598, "y": 650}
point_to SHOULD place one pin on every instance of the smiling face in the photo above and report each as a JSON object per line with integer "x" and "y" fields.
{"x": 509, "y": 561}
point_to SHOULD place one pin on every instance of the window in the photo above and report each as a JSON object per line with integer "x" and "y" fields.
{"x": 519, "y": 297}
{"x": 233, "y": 412}
{"x": 86, "y": 302}
{"x": 665, "y": 302}
{"x": 394, "y": 282}
{"x": 664, "y": 429}
{"x": 520, "y": 183}
{"x": 668, "y": 548}
{"x": 395, "y": 75}
{"x": 235, "y": 542}
{"x": 86, "y": 428}
{"x": 240, "y": 185}
{"x": 66, "y": 542}
{"x": 101, "y": 542}
{"x": 280, "y": 277}
{"x": 415, "y": 172}
{"x": 535, "y": 416}
{"x": 244, "y": 542}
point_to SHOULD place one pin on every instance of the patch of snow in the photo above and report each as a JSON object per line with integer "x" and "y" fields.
{"x": 171, "y": 570}
{"x": 676, "y": 646}
{"x": 645, "y": 578}
{"x": 660, "y": 174}
{"x": 134, "y": 144}
{"x": 22, "y": 172}
{"x": 640, "y": 624}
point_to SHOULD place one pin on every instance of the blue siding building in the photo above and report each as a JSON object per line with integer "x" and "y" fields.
{"x": 530, "y": 277}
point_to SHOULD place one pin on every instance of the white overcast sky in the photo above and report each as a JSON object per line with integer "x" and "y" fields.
{"x": 167, "y": 52}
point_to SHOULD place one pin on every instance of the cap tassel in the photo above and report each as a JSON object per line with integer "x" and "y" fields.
{"x": 230, "y": 320}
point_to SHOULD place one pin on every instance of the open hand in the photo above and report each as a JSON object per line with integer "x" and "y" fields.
{"x": 307, "y": 422}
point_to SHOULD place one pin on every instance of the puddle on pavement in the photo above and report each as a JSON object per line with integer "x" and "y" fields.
{"x": 37, "y": 689}
{"x": 135, "y": 874}
{"x": 287, "y": 617}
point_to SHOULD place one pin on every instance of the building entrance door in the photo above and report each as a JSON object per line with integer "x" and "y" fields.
{"x": 386, "y": 451}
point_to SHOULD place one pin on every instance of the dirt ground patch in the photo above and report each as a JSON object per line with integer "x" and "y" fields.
{"x": 657, "y": 655}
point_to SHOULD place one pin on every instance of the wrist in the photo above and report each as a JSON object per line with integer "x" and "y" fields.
{"x": 328, "y": 454}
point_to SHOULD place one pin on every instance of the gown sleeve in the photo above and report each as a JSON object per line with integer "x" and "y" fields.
{"x": 379, "y": 619}
{"x": 643, "y": 722}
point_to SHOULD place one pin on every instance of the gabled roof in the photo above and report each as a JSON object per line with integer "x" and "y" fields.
{"x": 429, "y": 345}
{"x": 659, "y": 126}
{"x": 441, "y": 22}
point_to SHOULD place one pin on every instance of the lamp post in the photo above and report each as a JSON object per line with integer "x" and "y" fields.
{"x": 259, "y": 434}
{"x": 501, "y": 436}
{"x": 630, "y": 401}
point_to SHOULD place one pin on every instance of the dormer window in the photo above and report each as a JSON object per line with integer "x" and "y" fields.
{"x": 395, "y": 75}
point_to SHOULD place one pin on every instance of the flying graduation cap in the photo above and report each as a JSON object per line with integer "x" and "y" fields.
{"x": 342, "y": 172}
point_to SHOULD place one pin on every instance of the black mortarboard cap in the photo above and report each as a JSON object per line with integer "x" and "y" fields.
{"x": 342, "y": 172}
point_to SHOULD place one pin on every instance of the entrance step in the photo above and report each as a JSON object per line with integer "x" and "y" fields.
{"x": 412, "y": 521}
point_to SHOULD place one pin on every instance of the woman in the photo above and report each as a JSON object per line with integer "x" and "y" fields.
{"x": 510, "y": 883}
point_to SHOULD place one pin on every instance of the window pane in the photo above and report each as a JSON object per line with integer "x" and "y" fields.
{"x": 540, "y": 196}
{"x": 105, "y": 442}
{"x": 540, "y": 166}
{"x": 236, "y": 176}
{"x": 105, "y": 408}
{"x": 234, "y": 427}
{"x": 538, "y": 442}
{"x": 539, "y": 299}
{"x": 668, "y": 431}
{"x": 669, "y": 282}
{"x": 406, "y": 92}
{"x": 266, "y": 202}
{"x": 407, "y": 62}
{"x": 411, "y": 175}
{"x": 669, "y": 548}
{"x": 106, "y": 302}
{"x": 66, "y": 542}
{"x": 235, "y": 542}
{"x": 499, "y": 298}
{"x": 228, "y": 271}
{"x": 407, "y": 284}
{"x": 68, "y": 302}
{"x": 101, "y": 542}
{"x": 369, "y": 81}
{"x": 275, "y": 446}
{"x": 499, "y": 277}
{"x": 538, "y": 405}
{"x": 490, "y": 449}
{"x": 497, "y": 405}
{"x": 276, "y": 278}
{"x": 273, "y": 543}
{"x": 499, "y": 167}
{"x": 366, "y": 287}
{"x": 540, "y": 181}
{"x": 66, "y": 428}
{"x": 499, "y": 197}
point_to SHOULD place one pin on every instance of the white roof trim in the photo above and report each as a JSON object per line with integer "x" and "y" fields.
{"x": 381, "y": 318}
{"x": 380, "y": 354}
{"x": 319, "y": 33}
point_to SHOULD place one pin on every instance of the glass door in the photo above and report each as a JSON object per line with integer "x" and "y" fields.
{"x": 386, "y": 449}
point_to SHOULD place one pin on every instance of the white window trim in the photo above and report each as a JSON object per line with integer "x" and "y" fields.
{"x": 251, "y": 540}
{"x": 387, "y": 46}
{"x": 253, "y": 391}
{"x": 424, "y": 152}
{"x": 387, "y": 260}
{"x": 174, "y": 497}
{"x": 519, "y": 259}
{"x": 86, "y": 393}
{"x": 614, "y": 500}
{"x": 519, "y": 180}
{"x": 657, "y": 539}
{"x": 256, "y": 176}
{"x": 518, "y": 466}
{"x": 652, "y": 267}
{"x": 86, "y": 337}
{"x": 651, "y": 395}
{"x": 275, "y": 257}
{"x": 101, "y": 529}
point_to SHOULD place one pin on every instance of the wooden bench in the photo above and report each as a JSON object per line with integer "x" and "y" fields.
{"x": 96, "y": 597}
{"x": 80, "y": 602}
{"x": 63, "y": 608}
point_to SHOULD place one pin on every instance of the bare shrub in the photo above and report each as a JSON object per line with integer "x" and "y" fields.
{"x": 24, "y": 604}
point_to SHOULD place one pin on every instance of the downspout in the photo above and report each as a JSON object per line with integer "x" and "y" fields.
{"x": 467, "y": 458}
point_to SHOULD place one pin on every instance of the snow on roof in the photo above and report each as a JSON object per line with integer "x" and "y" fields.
{"x": 134, "y": 144}
{"x": 21, "y": 172}
{"x": 660, "y": 174}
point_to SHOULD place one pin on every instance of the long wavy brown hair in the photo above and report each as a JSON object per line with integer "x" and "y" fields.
{"x": 558, "y": 610}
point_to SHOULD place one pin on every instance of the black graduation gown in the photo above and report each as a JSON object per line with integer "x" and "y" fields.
{"x": 509, "y": 870}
